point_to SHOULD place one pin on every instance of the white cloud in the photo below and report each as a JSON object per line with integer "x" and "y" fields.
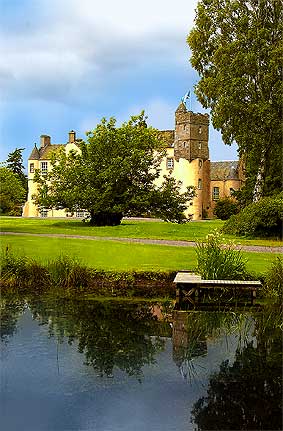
{"x": 78, "y": 40}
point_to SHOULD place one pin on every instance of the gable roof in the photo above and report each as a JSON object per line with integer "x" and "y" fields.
{"x": 224, "y": 170}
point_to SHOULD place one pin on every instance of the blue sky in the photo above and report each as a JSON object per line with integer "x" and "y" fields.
{"x": 68, "y": 63}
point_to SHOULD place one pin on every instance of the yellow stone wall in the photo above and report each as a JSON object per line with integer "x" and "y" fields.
{"x": 189, "y": 173}
{"x": 224, "y": 189}
{"x": 30, "y": 209}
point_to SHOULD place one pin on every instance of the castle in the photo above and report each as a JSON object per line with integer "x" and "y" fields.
{"x": 187, "y": 160}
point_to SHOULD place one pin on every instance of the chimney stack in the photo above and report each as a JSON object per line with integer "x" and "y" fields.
{"x": 44, "y": 141}
{"x": 72, "y": 137}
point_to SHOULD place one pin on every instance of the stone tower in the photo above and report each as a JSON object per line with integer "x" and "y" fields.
{"x": 191, "y": 135}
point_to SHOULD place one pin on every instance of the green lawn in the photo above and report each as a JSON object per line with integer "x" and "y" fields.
{"x": 192, "y": 231}
{"x": 111, "y": 255}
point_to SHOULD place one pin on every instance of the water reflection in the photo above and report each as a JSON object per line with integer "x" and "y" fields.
{"x": 241, "y": 388}
{"x": 109, "y": 334}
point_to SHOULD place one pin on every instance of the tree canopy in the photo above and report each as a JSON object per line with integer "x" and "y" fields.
{"x": 12, "y": 193}
{"x": 14, "y": 162}
{"x": 113, "y": 175}
{"x": 237, "y": 51}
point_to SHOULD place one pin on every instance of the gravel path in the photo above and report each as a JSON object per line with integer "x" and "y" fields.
{"x": 255, "y": 248}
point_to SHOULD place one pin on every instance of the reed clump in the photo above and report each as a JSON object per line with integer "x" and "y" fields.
{"x": 218, "y": 259}
{"x": 71, "y": 276}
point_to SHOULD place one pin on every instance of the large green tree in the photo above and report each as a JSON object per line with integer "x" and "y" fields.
{"x": 113, "y": 176}
{"x": 237, "y": 50}
{"x": 14, "y": 162}
{"x": 12, "y": 193}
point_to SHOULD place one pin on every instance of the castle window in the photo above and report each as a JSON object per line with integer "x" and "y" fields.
{"x": 43, "y": 167}
{"x": 185, "y": 144}
{"x": 31, "y": 168}
{"x": 199, "y": 145}
{"x": 200, "y": 130}
{"x": 170, "y": 163}
{"x": 200, "y": 163}
{"x": 184, "y": 126}
{"x": 215, "y": 193}
{"x": 199, "y": 184}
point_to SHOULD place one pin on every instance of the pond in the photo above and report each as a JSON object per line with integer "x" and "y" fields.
{"x": 69, "y": 364}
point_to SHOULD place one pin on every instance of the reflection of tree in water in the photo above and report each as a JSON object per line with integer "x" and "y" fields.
{"x": 247, "y": 394}
{"x": 110, "y": 334}
{"x": 191, "y": 330}
{"x": 10, "y": 311}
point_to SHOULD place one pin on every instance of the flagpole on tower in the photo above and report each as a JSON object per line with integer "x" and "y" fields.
{"x": 185, "y": 98}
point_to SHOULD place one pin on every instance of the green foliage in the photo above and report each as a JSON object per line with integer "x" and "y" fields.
{"x": 263, "y": 218}
{"x": 113, "y": 176}
{"x": 237, "y": 51}
{"x": 68, "y": 275}
{"x": 273, "y": 280}
{"x": 219, "y": 260}
{"x": 224, "y": 208}
{"x": 18, "y": 271}
{"x": 14, "y": 162}
{"x": 12, "y": 193}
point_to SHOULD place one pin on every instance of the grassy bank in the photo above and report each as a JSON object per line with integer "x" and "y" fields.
{"x": 119, "y": 256}
{"x": 192, "y": 231}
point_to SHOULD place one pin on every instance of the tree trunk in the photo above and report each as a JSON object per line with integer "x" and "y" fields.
{"x": 105, "y": 219}
{"x": 258, "y": 187}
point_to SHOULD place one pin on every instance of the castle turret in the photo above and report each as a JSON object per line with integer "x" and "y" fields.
{"x": 191, "y": 134}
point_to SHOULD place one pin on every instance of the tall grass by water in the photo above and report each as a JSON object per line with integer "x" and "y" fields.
{"x": 70, "y": 276}
{"x": 219, "y": 260}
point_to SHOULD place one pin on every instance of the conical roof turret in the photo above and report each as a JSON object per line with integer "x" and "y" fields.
{"x": 34, "y": 154}
{"x": 181, "y": 108}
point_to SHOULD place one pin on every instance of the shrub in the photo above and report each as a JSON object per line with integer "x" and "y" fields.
{"x": 273, "y": 280}
{"x": 225, "y": 208}
{"x": 216, "y": 260}
{"x": 262, "y": 218}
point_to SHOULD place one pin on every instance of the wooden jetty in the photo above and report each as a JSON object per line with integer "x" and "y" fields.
{"x": 191, "y": 287}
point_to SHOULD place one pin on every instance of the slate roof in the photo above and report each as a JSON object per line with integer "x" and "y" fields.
{"x": 224, "y": 170}
{"x": 34, "y": 154}
{"x": 44, "y": 153}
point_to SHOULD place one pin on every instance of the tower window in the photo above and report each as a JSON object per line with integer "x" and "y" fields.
{"x": 43, "y": 167}
{"x": 199, "y": 145}
{"x": 31, "y": 168}
{"x": 215, "y": 193}
{"x": 200, "y": 163}
{"x": 169, "y": 163}
{"x": 185, "y": 144}
{"x": 184, "y": 126}
{"x": 199, "y": 184}
{"x": 200, "y": 130}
